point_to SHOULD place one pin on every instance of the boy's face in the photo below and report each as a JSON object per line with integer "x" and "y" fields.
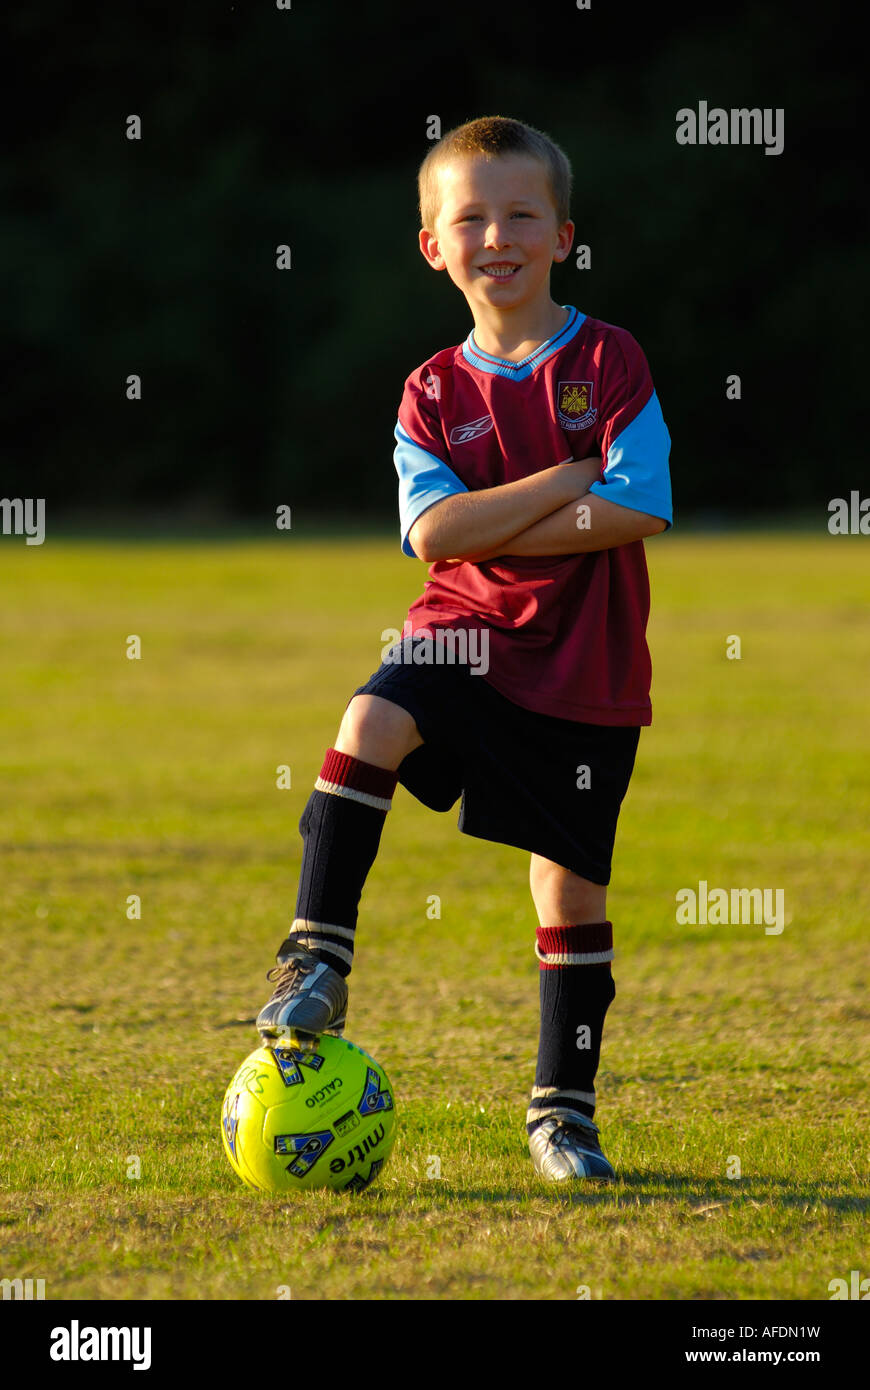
{"x": 496, "y": 233}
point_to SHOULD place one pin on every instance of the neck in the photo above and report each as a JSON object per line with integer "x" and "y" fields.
{"x": 514, "y": 333}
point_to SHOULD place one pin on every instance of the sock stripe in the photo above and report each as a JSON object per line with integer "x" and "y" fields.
{"x": 341, "y": 771}
{"x": 542, "y": 1111}
{"x": 555, "y": 1093}
{"x": 323, "y": 945}
{"x": 303, "y": 927}
{"x": 535, "y": 1115}
{"x": 586, "y": 943}
{"x": 557, "y": 959}
{"x": 378, "y": 803}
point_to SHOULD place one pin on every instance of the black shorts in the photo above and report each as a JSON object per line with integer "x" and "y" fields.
{"x": 520, "y": 774}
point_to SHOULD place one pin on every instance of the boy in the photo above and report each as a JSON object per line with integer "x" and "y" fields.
{"x": 532, "y": 461}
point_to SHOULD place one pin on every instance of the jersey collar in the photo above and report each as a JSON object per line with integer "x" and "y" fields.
{"x": 518, "y": 371}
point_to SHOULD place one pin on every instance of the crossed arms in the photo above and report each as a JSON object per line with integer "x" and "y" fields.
{"x": 533, "y": 516}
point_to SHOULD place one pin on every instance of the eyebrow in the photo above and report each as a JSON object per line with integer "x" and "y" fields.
{"x": 514, "y": 203}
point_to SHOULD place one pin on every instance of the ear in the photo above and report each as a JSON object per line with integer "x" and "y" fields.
{"x": 564, "y": 242}
{"x": 430, "y": 249}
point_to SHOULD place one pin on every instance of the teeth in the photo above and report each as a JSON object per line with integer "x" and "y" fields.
{"x": 501, "y": 272}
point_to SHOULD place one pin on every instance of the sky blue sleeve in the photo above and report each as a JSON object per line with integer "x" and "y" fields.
{"x": 636, "y": 473}
{"x": 423, "y": 480}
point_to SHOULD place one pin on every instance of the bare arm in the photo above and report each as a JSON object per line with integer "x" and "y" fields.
{"x": 486, "y": 520}
{"x": 573, "y": 531}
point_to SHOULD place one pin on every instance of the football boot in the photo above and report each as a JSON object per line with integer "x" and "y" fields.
{"x": 308, "y": 997}
{"x": 566, "y": 1146}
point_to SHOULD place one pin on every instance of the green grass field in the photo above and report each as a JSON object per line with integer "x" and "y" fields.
{"x": 157, "y": 777}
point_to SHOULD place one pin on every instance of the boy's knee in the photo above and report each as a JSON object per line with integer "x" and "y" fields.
{"x": 562, "y": 897}
{"x": 377, "y": 731}
{"x": 369, "y": 717}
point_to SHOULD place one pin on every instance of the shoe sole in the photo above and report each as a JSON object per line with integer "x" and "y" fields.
{"x": 588, "y": 1156}
{"x": 300, "y": 1036}
{"x": 578, "y": 1177}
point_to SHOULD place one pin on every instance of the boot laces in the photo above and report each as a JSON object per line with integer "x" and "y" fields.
{"x": 287, "y": 977}
{"x": 567, "y": 1132}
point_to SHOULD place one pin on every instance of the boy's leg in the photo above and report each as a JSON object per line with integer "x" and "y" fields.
{"x": 341, "y": 829}
{"x": 377, "y": 731}
{"x": 575, "y": 948}
{"x": 342, "y": 823}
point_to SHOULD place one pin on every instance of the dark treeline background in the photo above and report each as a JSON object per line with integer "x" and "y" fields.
{"x": 306, "y": 127}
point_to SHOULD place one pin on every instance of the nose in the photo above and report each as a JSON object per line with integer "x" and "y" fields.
{"x": 497, "y": 235}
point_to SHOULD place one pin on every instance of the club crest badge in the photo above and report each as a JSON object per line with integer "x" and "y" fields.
{"x": 574, "y": 405}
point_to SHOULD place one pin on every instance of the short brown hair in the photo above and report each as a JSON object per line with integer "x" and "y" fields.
{"x": 492, "y": 136}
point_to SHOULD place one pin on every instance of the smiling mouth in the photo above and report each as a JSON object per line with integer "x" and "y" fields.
{"x": 500, "y": 270}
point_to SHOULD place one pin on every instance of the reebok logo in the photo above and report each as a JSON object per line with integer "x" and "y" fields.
{"x": 461, "y": 434}
{"x": 739, "y": 126}
{"x": 76, "y": 1343}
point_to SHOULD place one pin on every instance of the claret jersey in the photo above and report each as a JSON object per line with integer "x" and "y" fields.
{"x": 566, "y": 633}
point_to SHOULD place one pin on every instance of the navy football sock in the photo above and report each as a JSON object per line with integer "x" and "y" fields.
{"x": 341, "y": 830}
{"x": 576, "y": 991}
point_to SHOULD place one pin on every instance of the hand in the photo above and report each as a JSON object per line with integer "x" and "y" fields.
{"x": 586, "y": 471}
{"x": 576, "y": 476}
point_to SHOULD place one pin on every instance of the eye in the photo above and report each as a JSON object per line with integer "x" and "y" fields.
{"x": 477, "y": 217}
